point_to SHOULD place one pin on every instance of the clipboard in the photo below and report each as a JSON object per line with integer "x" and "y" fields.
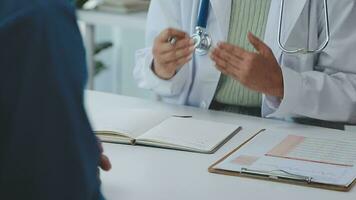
{"x": 288, "y": 178}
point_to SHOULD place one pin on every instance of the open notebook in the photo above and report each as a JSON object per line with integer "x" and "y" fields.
{"x": 145, "y": 127}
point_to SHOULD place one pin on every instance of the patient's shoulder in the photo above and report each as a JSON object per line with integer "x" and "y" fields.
{"x": 53, "y": 7}
{"x": 12, "y": 11}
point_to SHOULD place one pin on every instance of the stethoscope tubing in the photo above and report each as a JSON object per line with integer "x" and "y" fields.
{"x": 303, "y": 50}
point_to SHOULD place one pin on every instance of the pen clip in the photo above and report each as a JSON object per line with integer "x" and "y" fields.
{"x": 276, "y": 174}
{"x": 182, "y": 116}
{"x": 172, "y": 40}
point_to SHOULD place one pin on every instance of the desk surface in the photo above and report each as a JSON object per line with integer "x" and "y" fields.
{"x": 158, "y": 174}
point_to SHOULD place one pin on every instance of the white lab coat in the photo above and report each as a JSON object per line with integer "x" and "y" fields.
{"x": 321, "y": 86}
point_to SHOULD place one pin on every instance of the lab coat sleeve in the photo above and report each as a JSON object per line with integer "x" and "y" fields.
{"x": 331, "y": 94}
{"x": 162, "y": 14}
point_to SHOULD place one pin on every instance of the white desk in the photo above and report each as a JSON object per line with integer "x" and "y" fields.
{"x": 157, "y": 174}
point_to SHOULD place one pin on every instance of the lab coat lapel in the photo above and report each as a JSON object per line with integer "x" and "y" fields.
{"x": 222, "y": 11}
{"x": 292, "y": 11}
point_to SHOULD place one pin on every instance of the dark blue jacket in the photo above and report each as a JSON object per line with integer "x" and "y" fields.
{"x": 47, "y": 148}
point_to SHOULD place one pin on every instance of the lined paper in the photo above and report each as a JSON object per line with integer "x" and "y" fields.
{"x": 340, "y": 148}
{"x": 321, "y": 150}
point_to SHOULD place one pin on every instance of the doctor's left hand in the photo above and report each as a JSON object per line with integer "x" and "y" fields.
{"x": 258, "y": 71}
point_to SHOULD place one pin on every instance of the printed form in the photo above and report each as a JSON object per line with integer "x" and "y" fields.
{"x": 324, "y": 160}
{"x": 322, "y": 150}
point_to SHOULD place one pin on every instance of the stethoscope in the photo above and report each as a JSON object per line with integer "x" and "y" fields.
{"x": 203, "y": 41}
{"x": 201, "y": 38}
{"x": 304, "y": 50}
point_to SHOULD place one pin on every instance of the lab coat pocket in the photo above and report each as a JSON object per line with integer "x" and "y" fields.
{"x": 298, "y": 62}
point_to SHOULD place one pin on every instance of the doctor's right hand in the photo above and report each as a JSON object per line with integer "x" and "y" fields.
{"x": 170, "y": 56}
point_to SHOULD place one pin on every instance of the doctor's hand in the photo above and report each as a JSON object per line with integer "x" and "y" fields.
{"x": 258, "y": 71}
{"x": 169, "y": 57}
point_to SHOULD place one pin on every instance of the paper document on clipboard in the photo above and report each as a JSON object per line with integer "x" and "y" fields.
{"x": 321, "y": 150}
{"x": 268, "y": 154}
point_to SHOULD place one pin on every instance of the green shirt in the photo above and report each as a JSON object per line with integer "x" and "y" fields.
{"x": 246, "y": 16}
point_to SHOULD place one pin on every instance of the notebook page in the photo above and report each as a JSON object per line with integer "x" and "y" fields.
{"x": 128, "y": 122}
{"x": 190, "y": 133}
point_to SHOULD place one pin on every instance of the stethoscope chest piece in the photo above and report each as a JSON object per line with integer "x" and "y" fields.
{"x": 201, "y": 38}
{"x": 202, "y": 41}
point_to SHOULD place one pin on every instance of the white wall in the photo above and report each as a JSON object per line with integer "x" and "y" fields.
{"x": 120, "y": 59}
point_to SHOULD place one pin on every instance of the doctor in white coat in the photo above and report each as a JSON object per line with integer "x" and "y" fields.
{"x": 317, "y": 86}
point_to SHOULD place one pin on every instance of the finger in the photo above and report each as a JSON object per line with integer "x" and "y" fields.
{"x": 234, "y": 73}
{"x": 222, "y": 69}
{"x": 219, "y": 61}
{"x": 258, "y": 44}
{"x": 166, "y": 47}
{"x": 182, "y": 61}
{"x": 230, "y": 58}
{"x": 225, "y": 46}
{"x": 183, "y": 43}
{"x": 173, "y": 56}
{"x": 187, "y": 42}
{"x": 235, "y": 50}
{"x": 171, "y": 32}
{"x": 228, "y": 71}
{"x": 216, "y": 59}
{"x": 105, "y": 163}
{"x": 177, "y": 65}
{"x": 184, "y": 52}
{"x": 228, "y": 68}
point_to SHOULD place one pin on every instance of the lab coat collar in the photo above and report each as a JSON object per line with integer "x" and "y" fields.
{"x": 292, "y": 11}
{"x": 222, "y": 11}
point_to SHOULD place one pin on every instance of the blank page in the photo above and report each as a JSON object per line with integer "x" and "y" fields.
{"x": 190, "y": 133}
{"x": 127, "y": 122}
